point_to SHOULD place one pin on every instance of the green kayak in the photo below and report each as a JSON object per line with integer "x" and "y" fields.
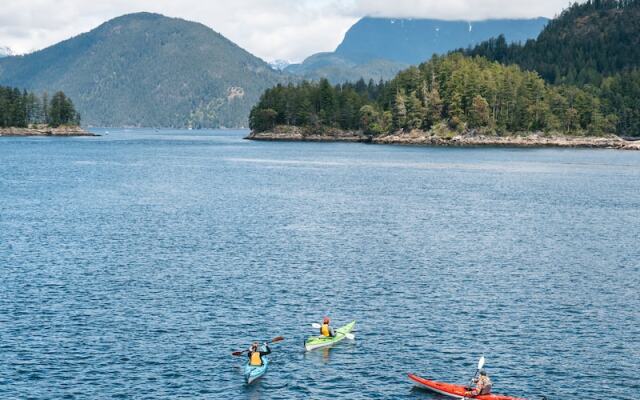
{"x": 315, "y": 342}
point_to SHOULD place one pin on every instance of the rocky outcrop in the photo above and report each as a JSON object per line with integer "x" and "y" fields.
{"x": 303, "y": 134}
{"x": 470, "y": 139}
{"x": 466, "y": 139}
{"x": 43, "y": 130}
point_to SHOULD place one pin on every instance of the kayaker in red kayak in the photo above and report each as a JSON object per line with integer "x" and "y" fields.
{"x": 483, "y": 385}
{"x": 255, "y": 355}
{"x": 325, "y": 329}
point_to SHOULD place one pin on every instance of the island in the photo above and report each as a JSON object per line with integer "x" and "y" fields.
{"x": 25, "y": 114}
{"x": 453, "y": 100}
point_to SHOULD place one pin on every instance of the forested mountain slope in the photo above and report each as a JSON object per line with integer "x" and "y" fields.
{"x": 148, "y": 70}
{"x": 595, "y": 45}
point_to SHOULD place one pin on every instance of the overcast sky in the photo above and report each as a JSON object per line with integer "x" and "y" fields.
{"x": 270, "y": 29}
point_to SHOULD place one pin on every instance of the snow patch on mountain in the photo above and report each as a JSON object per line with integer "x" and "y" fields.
{"x": 279, "y": 65}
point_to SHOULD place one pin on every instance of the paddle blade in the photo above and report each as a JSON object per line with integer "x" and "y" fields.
{"x": 316, "y": 325}
{"x": 350, "y": 336}
{"x": 237, "y": 353}
{"x": 277, "y": 339}
{"x": 481, "y": 363}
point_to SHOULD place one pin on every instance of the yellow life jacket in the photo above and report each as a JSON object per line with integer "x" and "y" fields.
{"x": 255, "y": 360}
{"x": 324, "y": 330}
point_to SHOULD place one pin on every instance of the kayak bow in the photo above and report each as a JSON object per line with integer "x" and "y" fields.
{"x": 316, "y": 342}
{"x": 455, "y": 391}
{"x": 252, "y": 373}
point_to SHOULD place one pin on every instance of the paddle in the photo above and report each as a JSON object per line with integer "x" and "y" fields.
{"x": 274, "y": 340}
{"x": 480, "y": 365}
{"x": 349, "y": 336}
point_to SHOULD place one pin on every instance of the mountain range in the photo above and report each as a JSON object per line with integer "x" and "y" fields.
{"x": 146, "y": 69}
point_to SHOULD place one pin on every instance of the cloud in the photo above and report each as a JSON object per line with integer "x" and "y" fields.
{"x": 270, "y": 29}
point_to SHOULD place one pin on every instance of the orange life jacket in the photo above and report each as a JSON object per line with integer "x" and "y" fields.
{"x": 325, "y": 331}
{"x": 255, "y": 360}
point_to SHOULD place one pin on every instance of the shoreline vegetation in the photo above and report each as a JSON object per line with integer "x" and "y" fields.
{"x": 446, "y": 139}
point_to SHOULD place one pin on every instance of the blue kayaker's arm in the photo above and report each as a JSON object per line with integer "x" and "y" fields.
{"x": 267, "y": 352}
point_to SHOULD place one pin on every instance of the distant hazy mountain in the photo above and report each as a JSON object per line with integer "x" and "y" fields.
{"x": 380, "y": 47}
{"x": 413, "y": 41}
{"x": 5, "y": 51}
{"x": 148, "y": 70}
{"x": 342, "y": 69}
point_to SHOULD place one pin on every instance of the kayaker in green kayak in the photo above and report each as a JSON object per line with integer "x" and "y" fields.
{"x": 255, "y": 355}
{"x": 483, "y": 385}
{"x": 325, "y": 329}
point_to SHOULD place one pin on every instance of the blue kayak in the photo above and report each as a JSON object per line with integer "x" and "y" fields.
{"x": 252, "y": 373}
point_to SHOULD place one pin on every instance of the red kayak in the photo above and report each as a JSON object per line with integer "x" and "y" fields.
{"x": 455, "y": 391}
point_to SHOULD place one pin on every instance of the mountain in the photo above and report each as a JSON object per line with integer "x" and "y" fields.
{"x": 380, "y": 47}
{"x": 594, "y": 44}
{"x": 412, "y": 41}
{"x": 342, "y": 69}
{"x": 588, "y": 40}
{"x": 148, "y": 70}
{"x": 5, "y": 51}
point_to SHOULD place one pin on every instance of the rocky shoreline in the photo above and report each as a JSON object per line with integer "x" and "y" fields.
{"x": 42, "y": 130}
{"x": 298, "y": 134}
{"x": 467, "y": 139}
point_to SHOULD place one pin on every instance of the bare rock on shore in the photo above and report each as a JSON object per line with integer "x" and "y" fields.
{"x": 471, "y": 139}
{"x": 303, "y": 134}
{"x": 43, "y": 130}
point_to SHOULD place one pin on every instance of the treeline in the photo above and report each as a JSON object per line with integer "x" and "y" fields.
{"x": 453, "y": 92}
{"x": 594, "y": 45}
{"x": 21, "y": 109}
{"x": 314, "y": 104}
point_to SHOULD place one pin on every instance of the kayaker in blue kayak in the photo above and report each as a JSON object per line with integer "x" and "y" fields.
{"x": 325, "y": 329}
{"x": 483, "y": 384}
{"x": 255, "y": 355}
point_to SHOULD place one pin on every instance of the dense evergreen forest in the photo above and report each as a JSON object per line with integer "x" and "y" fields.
{"x": 581, "y": 76}
{"x": 20, "y": 109}
{"x": 450, "y": 93}
{"x": 594, "y": 45}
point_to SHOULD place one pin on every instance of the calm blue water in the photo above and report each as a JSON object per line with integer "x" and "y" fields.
{"x": 131, "y": 265}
